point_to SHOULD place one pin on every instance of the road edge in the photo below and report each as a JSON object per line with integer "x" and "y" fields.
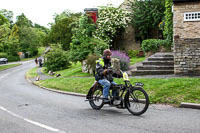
{"x": 190, "y": 105}
{"x": 57, "y": 91}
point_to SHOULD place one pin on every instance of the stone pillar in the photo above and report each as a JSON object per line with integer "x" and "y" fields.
{"x": 186, "y": 38}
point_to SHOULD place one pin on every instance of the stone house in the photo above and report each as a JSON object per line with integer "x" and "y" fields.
{"x": 186, "y": 32}
{"x": 127, "y": 41}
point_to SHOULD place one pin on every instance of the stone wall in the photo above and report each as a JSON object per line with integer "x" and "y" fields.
{"x": 186, "y": 40}
{"x": 127, "y": 40}
{"x": 187, "y": 56}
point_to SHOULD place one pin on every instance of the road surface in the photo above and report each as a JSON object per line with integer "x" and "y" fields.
{"x": 25, "y": 108}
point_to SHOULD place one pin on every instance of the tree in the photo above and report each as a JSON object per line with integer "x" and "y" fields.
{"x": 23, "y": 21}
{"x": 7, "y": 14}
{"x": 13, "y": 42}
{"x": 146, "y": 15}
{"x": 28, "y": 40}
{"x": 83, "y": 42}
{"x": 61, "y": 30}
{"x": 3, "y": 20}
{"x": 111, "y": 22}
{"x": 41, "y": 28}
{"x": 61, "y": 33}
{"x": 66, "y": 14}
{"x": 4, "y": 34}
{"x": 42, "y": 33}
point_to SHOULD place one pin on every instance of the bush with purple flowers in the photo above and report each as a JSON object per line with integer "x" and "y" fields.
{"x": 124, "y": 59}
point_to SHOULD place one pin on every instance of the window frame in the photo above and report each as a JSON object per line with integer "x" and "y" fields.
{"x": 192, "y": 16}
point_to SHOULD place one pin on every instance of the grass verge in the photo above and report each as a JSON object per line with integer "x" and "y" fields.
{"x": 32, "y": 73}
{"x": 8, "y": 66}
{"x": 133, "y": 60}
{"x": 74, "y": 71}
{"x": 166, "y": 91}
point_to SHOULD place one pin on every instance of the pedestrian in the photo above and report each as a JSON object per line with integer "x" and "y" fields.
{"x": 36, "y": 61}
{"x": 40, "y": 62}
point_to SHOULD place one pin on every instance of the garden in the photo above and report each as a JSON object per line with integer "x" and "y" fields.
{"x": 76, "y": 39}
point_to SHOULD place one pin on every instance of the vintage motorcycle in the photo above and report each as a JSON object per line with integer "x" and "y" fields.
{"x": 134, "y": 98}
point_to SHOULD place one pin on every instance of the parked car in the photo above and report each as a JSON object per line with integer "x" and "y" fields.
{"x": 3, "y": 60}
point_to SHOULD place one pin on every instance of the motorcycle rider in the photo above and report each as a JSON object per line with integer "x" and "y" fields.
{"x": 104, "y": 76}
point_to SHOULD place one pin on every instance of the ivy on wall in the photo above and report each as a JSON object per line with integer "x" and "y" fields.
{"x": 168, "y": 22}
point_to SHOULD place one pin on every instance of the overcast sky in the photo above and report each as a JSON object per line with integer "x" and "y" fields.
{"x": 41, "y": 11}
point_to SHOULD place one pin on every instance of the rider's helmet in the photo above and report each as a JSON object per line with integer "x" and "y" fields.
{"x": 107, "y": 52}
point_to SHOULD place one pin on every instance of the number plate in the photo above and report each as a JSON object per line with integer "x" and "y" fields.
{"x": 139, "y": 84}
{"x": 125, "y": 76}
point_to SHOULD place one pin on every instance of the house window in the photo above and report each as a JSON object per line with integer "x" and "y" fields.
{"x": 192, "y": 16}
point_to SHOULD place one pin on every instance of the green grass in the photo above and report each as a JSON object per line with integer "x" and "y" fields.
{"x": 166, "y": 91}
{"x": 79, "y": 85}
{"x": 133, "y": 60}
{"x": 8, "y": 66}
{"x": 32, "y": 73}
{"x": 75, "y": 70}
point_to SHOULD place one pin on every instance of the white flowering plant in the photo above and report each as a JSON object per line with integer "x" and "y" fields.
{"x": 111, "y": 21}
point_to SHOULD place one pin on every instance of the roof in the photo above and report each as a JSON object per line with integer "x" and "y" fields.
{"x": 181, "y": 1}
{"x": 91, "y": 9}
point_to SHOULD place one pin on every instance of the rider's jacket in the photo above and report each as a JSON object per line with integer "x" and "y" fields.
{"x": 101, "y": 65}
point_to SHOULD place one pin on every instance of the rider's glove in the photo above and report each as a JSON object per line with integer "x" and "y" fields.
{"x": 105, "y": 72}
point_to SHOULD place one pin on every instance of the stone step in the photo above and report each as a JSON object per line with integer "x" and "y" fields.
{"x": 165, "y": 54}
{"x": 151, "y": 72}
{"x": 153, "y": 67}
{"x": 159, "y": 63}
{"x": 161, "y": 59}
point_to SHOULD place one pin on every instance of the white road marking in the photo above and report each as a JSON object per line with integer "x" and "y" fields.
{"x": 14, "y": 71}
{"x": 33, "y": 122}
{"x": 4, "y": 75}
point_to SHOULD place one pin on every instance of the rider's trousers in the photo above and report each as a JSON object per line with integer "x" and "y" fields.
{"x": 106, "y": 84}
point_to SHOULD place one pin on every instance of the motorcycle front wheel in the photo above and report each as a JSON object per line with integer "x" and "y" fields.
{"x": 96, "y": 100}
{"x": 137, "y": 101}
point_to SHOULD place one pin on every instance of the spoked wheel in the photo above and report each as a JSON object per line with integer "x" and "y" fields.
{"x": 137, "y": 101}
{"x": 96, "y": 100}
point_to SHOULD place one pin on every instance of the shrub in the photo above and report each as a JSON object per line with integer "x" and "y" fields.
{"x": 133, "y": 53}
{"x": 124, "y": 59}
{"x": 91, "y": 62}
{"x": 13, "y": 58}
{"x": 57, "y": 59}
{"x": 154, "y": 44}
{"x": 3, "y": 55}
{"x": 111, "y": 22}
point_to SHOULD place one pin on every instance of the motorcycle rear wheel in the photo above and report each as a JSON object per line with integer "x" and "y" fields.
{"x": 96, "y": 100}
{"x": 137, "y": 101}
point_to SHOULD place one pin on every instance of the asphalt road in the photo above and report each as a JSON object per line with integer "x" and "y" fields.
{"x": 25, "y": 108}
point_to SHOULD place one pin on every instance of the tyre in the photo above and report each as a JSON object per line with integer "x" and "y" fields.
{"x": 96, "y": 100}
{"x": 137, "y": 101}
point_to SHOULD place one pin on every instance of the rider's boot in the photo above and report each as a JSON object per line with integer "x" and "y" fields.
{"x": 106, "y": 100}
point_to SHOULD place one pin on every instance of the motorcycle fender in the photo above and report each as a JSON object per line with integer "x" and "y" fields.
{"x": 91, "y": 90}
{"x": 89, "y": 93}
{"x": 126, "y": 99}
